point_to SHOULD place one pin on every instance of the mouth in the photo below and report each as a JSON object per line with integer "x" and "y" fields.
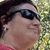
{"x": 35, "y": 30}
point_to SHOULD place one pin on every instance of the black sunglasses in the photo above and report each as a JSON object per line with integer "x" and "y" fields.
{"x": 28, "y": 14}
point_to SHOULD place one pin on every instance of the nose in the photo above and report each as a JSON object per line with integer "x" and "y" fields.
{"x": 35, "y": 22}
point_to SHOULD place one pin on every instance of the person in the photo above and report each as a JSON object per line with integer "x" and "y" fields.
{"x": 19, "y": 25}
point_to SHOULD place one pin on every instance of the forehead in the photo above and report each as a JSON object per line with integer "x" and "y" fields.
{"x": 28, "y": 6}
{"x": 23, "y": 6}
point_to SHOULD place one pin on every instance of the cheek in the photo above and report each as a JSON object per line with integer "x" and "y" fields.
{"x": 21, "y": 34}
{"x": 21, "y": 24}
{"x": 33, "y": 37}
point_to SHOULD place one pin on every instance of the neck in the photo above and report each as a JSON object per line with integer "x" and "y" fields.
{"x": 10, "y": 42}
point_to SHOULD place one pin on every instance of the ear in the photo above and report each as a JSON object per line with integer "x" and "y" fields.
{"x": 4, "y": 25}
{"x": 2, "y": 19}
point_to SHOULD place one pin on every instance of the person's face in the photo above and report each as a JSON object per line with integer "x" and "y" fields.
{"x": 25, "y": 31}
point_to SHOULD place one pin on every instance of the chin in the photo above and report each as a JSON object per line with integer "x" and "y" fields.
{"x": 30, "y": 45}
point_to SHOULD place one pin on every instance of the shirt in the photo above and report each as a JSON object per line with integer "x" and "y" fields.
{"x": 3, "y": 47}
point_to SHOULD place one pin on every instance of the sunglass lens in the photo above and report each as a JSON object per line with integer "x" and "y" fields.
{"x": 26, "y": 14}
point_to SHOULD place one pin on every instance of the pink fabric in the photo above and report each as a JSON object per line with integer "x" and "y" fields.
{"x": 2, "y": 47}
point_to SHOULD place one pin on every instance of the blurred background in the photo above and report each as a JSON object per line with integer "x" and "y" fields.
{"x": 44, "y": 10}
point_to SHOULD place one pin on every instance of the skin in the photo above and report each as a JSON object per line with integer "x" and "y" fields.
{"x": 22, "y": 33}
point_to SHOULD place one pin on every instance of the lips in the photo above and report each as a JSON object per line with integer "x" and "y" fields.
{"x": 35, "y": 30}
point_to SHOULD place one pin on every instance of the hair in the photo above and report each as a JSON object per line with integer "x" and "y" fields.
{"x": 5, "y": 6}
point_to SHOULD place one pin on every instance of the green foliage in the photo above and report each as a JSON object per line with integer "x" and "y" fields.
{"x": 44, "y": 41}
